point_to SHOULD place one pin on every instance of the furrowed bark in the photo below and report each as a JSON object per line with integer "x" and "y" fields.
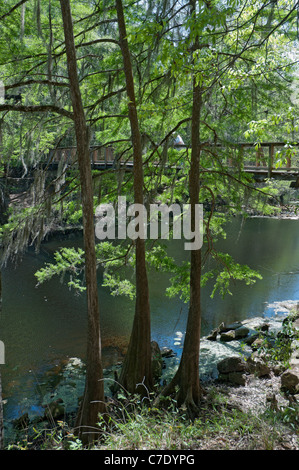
{"x": 187, "y": 376}
{"x": 137, "y": 366}
{"x": 93, "y": 402}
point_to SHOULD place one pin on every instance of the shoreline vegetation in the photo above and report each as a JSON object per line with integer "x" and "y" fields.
{"x": 251, "y": 413}
{"x": 255, "y": 414}
{"x": 251, "y": 403}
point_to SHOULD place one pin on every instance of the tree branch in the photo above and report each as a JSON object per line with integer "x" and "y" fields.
{"x": 13, "y": 9}
{"x": 97, "y": 41}
{"x": 37, "y": 109}
{"x": 106, "y": 97}
{"x": 39, "y": 82}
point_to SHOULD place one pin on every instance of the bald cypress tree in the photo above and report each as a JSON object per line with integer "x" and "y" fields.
{"x": 93, "y": 401}
{"x": 137, "y": 367}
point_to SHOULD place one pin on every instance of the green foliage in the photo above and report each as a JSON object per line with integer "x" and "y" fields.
{"x": 226, "y": 272}
{"x": 180, "y": 283}
{"x": 219, "y": 425}
{"x": 236, "y": 72}
{"x": 67, "y": 260}
{"x": 69, "y": 266}
{"x": 278, "y": 348}
{"x": 231, "y": 271}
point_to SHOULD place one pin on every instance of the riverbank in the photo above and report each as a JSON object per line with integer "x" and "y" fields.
{"x": 236, "y": 309}
{"x": 239, "y": 383}
{"x": 289, "y": 212}
{"x": 255, "y": 415}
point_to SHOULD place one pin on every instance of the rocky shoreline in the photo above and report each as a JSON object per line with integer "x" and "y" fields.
{"x": 232, "y": 358}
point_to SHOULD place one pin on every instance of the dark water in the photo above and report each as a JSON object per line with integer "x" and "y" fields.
{"x": 42, "y": 326}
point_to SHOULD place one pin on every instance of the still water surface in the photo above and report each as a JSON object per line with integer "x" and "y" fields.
{"x": 41, "y": 326}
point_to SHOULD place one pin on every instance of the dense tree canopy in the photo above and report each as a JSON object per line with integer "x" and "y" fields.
{"x": 216, "y": 73}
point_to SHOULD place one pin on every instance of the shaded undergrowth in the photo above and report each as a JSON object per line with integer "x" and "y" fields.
{"x": 135, "y": 424}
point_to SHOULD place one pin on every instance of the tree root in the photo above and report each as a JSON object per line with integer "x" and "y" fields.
{"x": 187, "y": 399}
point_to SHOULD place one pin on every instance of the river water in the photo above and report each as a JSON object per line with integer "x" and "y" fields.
{"x": 41, "y": 326}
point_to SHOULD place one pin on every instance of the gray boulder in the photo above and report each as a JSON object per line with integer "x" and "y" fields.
{"x": 231, "y": 364}
{"x": 227, "y": 336}
{"x": 238, "y": 333}
{"x": 290, "y": 380}
{"x": 231, "y": 326}
{"x": 257, "y": 366}
{"x": 233, "y": 370}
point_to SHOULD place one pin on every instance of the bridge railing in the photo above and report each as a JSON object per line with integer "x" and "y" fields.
{"x": 265, "y": 154}
{"x": 262, "y": 158}
{"x": 259, "y": 159}
{"x": 68, "y": 155}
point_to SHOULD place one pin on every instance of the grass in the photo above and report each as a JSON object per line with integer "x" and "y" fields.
{"x": 135, "y": 425}
{"x": 218, "y": 426}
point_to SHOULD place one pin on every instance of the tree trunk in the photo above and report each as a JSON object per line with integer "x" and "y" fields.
{"x": 137, "y": 366}
{"x": 187, "y": 375}
{"x": 93, "y": 401}
{"x": 38, "y": 19}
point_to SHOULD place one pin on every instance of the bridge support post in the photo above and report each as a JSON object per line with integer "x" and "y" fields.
{"x": 257, "y": 157}
{"x": 270, "y": 161}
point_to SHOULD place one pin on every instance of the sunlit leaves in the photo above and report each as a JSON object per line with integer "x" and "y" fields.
{"x": 227, "y": 271}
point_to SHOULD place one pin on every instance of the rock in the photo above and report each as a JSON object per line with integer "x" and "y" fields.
{"x": 294, "y": 359}
{"x": 232, "y": 326}
{"x": 264, "y": 327}
{"x": 258, "y": 367}
{"x": 257, "y": 343}
{"x": 296, "y": 324}
{"x": 290, "y": 380}
{"x": 229, "y": 332}
{"x": 237, "y": 378}
{"x": 277, "y": 369}
{"x": 231, "y": 364}
{"x": 272, "y": 401}
{"x": 238, "y": 332}
{"x": 167, "y": 352}
{"x": 233, "y": 370}
{"x": 249, "y": 340}
{"x": 241, "y": 332}
{"x": 228, "y": 336}
{"x": 213, "y": 335}
{"x": 234, "y": 378}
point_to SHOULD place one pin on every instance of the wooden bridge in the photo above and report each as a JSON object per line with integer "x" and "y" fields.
{"x": 260, "y": 162}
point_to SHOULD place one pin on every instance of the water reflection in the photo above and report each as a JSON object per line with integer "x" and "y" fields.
{"x": 41, "y": 326}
